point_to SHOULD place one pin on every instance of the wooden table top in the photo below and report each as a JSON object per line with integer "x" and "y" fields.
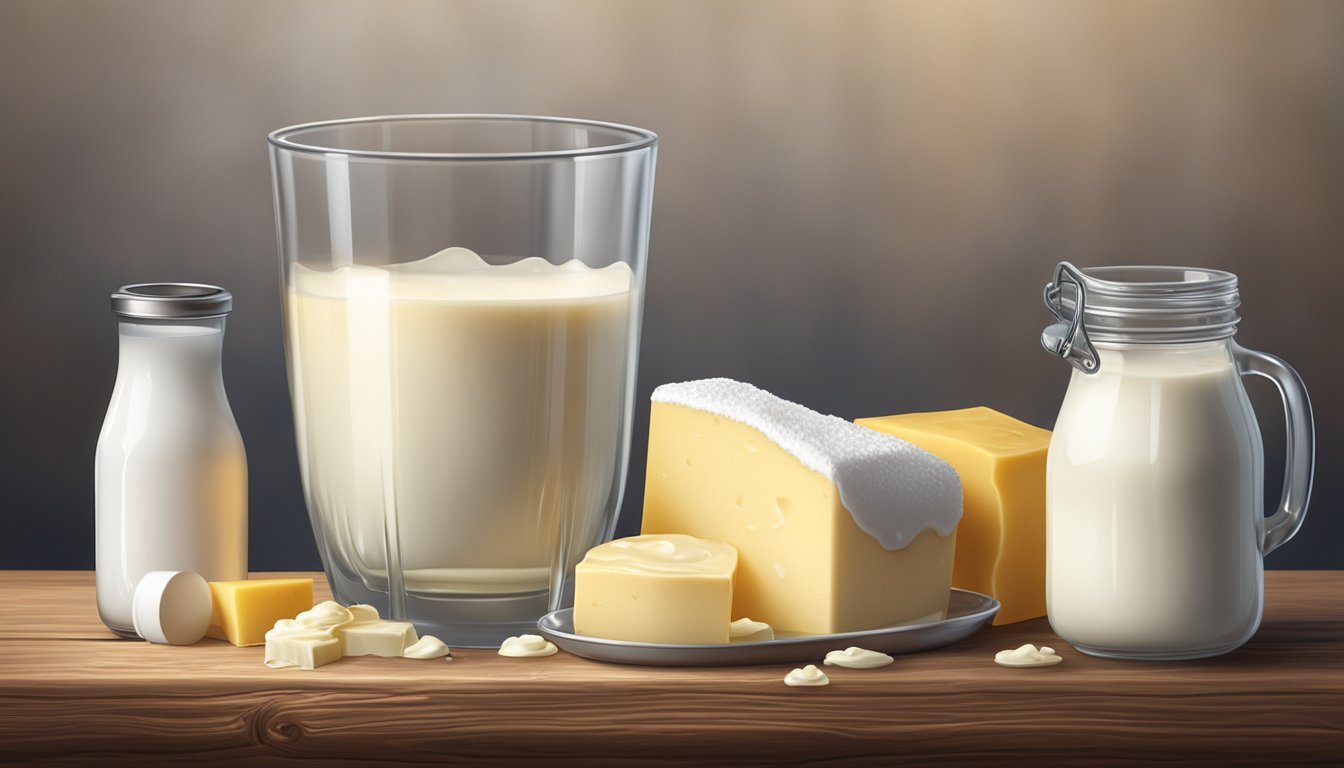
{"x": 71, "y": 692}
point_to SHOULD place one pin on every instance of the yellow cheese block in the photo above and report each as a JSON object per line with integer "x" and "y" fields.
{"x": 656, "y": 589}
{"x": 1001, "y": 538}
{"x": 726, "y": 462}
{"x": 244, "y": 610}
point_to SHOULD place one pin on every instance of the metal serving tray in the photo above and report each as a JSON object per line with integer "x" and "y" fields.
{"x": 966, "y": 613}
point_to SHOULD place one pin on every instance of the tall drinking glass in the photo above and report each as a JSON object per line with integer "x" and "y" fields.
{"x": 463, "y": 296}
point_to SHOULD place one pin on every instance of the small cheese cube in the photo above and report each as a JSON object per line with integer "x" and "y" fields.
{"x": 377, "y": 638}
{"x": 656, "y": 589}
{"x": 838, "y": 528}
{"x": 245, "y": 610}
{"x": 1001, "y": 539}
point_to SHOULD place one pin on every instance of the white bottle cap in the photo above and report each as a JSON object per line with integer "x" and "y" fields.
{"x": 171, "y": 607}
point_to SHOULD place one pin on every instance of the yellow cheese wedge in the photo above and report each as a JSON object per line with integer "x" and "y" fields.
{"x": 656, "y": 589}
{"x": 244, "y": 610}
{"x": 1001, "y": 538}
{"x": 837, "y": 528}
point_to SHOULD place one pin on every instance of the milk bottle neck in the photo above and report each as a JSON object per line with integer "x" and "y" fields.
{"x": 185, "y": 352}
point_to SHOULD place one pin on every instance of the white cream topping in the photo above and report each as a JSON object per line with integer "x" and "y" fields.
{"x": 428, "y": 647}
{"x": 458, "y": 274}
{"x": 806, "y": 676}
{"x": 527, "y": 645}
{"x": 855, "y": 657}
{"x": 893, "y": 489}
{"x": 324, "y": 616}
{"x": 1028, "y": 656}
{"x": 671, "y": 553}
{"x": 745, "y": 630}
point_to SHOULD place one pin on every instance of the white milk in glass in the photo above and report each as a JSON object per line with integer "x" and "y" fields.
{"x": 462, "y": 418}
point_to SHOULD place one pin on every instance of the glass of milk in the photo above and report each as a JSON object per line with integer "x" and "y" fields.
{"x": 463, "y": 296}
{"x": 1155, "y": 524}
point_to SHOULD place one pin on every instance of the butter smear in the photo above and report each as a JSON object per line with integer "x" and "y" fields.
{"x": 1028, "y": 656}
{"x": 526, "y": 646}
{"x": 858, "y": 658}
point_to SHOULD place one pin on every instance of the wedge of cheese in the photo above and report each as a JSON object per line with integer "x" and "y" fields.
{"x": 245, "y": 610}
{"x": 837, "y": 527}
{"x": 656, "y": 589}
{"x": 1001, "y": 539}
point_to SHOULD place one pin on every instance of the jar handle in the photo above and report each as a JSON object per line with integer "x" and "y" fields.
{"x": 1301, "y": 445}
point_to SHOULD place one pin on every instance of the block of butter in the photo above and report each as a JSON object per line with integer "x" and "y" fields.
{"x": 245, "y": 610}
{"x": 1001, "y": 539}
{"x": 291, "y": 645}
{"x": 667, "y": 588}
{"x": 837, "y": 527}
{"x": 329, "y": 630}
{"x": 376, "y": 638}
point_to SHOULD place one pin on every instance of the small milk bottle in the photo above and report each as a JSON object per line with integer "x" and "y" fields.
{"x": 170, "y": 476}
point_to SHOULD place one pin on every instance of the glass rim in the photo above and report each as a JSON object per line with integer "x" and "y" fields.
{"x": 1113, "y": 279}
{"x": 640, "y": 138}
{"x": 1156, "y": 303}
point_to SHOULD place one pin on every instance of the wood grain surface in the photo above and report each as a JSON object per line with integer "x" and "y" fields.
{"x": 72, "y": 694}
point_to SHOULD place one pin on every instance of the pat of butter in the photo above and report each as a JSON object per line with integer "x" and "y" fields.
{"x": 291, "y": 646}
{"x": 855, "y": 657}
{"x": 667, "y": 588}
{"x": 329, "y": 630}
{"x": 807, "y": 676}
{"x": 819, "y": 509}
{"x": 376, "y": 638}
{"x": 748, "y": 631}
{"x": 428, "y": 647}
{"x": 245, "y": 610}
{"x": 527, "y": 645}
{"x": 1028, "y": 656}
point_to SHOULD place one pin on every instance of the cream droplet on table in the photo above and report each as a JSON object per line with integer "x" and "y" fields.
{"x": 527, "y": 645}
{"x": 806, "y": 676}
{"x": 855, "y": 657}
{"x": 428, "y": 647}
{"x": 1028, "y": 656}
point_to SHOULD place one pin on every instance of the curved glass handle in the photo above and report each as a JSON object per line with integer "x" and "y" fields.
{"x": 1301, "y": 445}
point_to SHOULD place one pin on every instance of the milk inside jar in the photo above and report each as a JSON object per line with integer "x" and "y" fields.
{"x": 1155, "y": 517}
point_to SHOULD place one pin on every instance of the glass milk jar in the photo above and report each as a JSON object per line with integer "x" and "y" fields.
{"x": 1155, "y": 527}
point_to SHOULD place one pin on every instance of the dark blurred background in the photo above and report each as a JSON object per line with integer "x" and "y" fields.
{"x": 857, "y": 202}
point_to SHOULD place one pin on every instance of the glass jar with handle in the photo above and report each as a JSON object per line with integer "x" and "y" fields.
{"x": 1155, "y": 527}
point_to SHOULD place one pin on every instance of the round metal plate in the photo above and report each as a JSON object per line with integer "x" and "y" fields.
{"x": 966, "y": 612}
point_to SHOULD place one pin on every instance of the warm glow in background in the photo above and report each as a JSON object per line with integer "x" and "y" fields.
{"x": 857, "y": 202}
